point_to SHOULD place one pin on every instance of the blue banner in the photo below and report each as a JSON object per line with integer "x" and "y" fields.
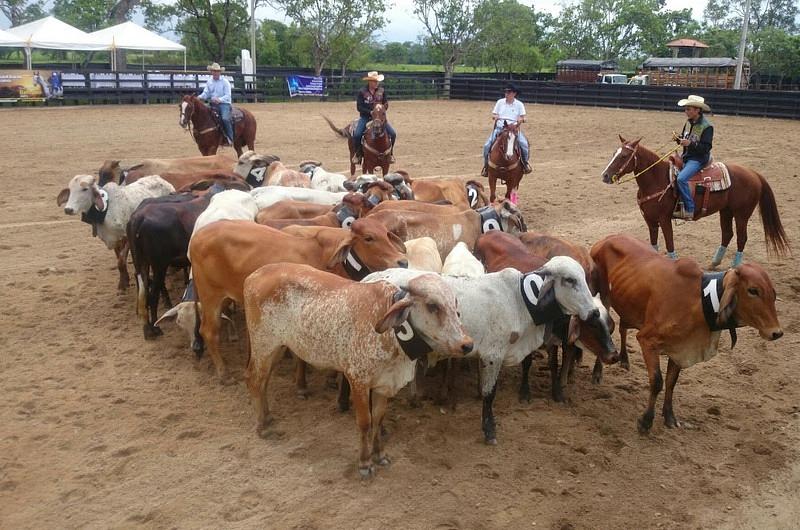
{"x": 304, "y": 85}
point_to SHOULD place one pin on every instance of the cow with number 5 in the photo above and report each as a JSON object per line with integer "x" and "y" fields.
{"x": 679, "y": 310}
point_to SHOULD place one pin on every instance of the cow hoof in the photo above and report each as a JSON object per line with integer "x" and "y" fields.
{"x": 198, "y": 347}
{"x": 226, "y": 380}
{"x": 525, "y": 395}
{"x": 383, "y": 461}
{"x": 302, "y": 393}
{"x": 597, "y": 378}
{"x": 643, "y": 424}
{"x": 152, "y": 332}
{"x": 490, "y": 440}
{"x": 625, "y": 364}
{"x": 414, "y": 402}
{"x": 558, "y": 397}
{"x": 671, "y": 422}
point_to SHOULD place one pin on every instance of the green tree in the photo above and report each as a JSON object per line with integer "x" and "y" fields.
{"x": 334, "y": 24}
{"x": 21, "y": 11}
{"x": 213, "y": 29}
{"x": 451, "y": 29}
{"x": 507, "y": 38}
{"x": 395, "y": 53}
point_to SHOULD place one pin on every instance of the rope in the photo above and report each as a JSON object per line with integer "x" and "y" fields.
{"x": 645, "y": 170}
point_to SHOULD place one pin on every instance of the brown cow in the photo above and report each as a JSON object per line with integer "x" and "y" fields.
{"x": 465, "y": 195}
{"x": 498, "y": 251}
{"x": 447, "y": 229}
{"x": 334, "y": 323}
{"x": 678, "y": 310}
{"x": 289, "y": 209}
{"x": 352, "y": 207}
{"x": 111, "y": 171}
{"x": 224, "y": 253}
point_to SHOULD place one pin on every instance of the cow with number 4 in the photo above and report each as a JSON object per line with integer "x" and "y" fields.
{"x": 679, "y": 310}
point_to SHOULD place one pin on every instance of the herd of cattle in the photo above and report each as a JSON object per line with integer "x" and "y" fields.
{"x": 377, "y": 278}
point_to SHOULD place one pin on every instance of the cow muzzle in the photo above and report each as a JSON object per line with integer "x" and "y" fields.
{"x": 69, "y": 211}
{"x": 773, "y": 334}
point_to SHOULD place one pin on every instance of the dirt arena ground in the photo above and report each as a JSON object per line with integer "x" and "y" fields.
{"x": 100, "y": 429}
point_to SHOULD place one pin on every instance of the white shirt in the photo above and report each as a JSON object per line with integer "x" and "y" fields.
{"x": 508, "y": 111}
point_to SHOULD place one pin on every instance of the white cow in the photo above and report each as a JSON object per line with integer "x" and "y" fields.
{"x": 461, "y": 262}
{"x": 322, "y": 179}
{"x": 269, "y": 195}
{"x": 423, "y": 255}
{"x": 498, "y": 310}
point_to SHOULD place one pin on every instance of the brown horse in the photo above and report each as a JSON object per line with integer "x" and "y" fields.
{"x": 376, "y": 142}
{"x": 505, "y": 163}
{"x": 657, "y": 201}
{"x": 196, "y": 117}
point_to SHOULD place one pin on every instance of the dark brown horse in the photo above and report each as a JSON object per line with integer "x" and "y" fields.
{"x": 657, "y": 201}
{"x": 505, "y": 163}
{"x": 376, "y": 142}
{"x": 197, "y": 118}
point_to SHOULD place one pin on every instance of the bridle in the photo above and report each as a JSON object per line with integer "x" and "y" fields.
{"x": 624, "y": 168}
{"x": 186, "y": 115}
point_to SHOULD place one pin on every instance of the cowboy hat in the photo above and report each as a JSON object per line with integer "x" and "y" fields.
{"x": 373, "y": 76}
{"x": 695, "y": 101}
{"x": 215, "y": 67}
{"x": 512, "y": 87}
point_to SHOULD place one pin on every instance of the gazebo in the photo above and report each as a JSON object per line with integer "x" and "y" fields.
{"x": 52, "y": 34}
{"x": 129, "y": 36}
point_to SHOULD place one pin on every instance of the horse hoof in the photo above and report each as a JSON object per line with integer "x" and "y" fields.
{"x": 366, "y": 472}
{"x": 643, "y": 425}
{"x": 302, "y": 393}
{"x": 491, "y": 440}
{"x": 383, "y": 461}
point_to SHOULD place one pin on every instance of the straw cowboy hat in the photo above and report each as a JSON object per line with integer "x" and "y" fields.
{"x": 695, "y": 101}
{"x": 215, "y": 67}
{"x": 373, "y": 76}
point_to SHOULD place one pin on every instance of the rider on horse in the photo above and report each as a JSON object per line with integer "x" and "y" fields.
{"x": 696, "y": 139}
{"x": 368, "y": 96}
{"x": 218, "y": 90}
{"x": 511, "y": 110}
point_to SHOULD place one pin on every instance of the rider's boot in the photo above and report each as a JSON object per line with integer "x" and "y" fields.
{"x": 391, "y": 156}
{"x": 485, "y": 171}
{"x": 526, "y": 167}
{"x": 357, "y": 157}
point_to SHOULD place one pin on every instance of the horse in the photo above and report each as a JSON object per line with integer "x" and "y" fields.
{"x": 196, "y": 117}
{"x": 505, "y": 162}
{"x": 377, "y": 146}
{"x": 737, "y": 203}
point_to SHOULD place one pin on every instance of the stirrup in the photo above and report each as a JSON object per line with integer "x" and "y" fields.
{"x": 391, "y": 158}
{"x": 356, "y": 159}
{"x": 485, "y": 171}
{"x": 527, "y": 168}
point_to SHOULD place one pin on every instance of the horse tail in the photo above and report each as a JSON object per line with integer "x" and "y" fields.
{"x": 340, "y": 132}
{"x": 777, "y": 243}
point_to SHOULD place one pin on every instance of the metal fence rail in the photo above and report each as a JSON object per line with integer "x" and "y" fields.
{"x": 736, "y": 102}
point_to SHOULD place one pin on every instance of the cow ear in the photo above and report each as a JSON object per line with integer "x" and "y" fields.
{"x": 340, "y": 253}
{"x": 97, "y": 198}
{"x": 171, "y": 314}
{"x": 728, "y": 303}
{"x": 546, "y": 292}
{"x": 349, "y": 185}
{"x": 115, "y": 163}
{"x": 63, "y": 197}
{"x": 397, "y": 242}
{"x": 574, "y": 330}
{"x": 396, "y": 315}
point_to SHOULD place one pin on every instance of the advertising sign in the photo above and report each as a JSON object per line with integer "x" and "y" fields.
{"x": 16, "y": 85}
{"x": 304, "y": 85}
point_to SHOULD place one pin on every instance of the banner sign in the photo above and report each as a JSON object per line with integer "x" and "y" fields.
{"x": 32, "y": 85}
{"x": 304, "y": 85}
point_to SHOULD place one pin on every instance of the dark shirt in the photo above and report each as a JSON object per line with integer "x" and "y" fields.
{"x": 701, "y": 135}
{"x": 366, "y": 100}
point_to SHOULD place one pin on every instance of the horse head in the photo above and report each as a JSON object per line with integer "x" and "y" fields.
{"x": 378, "y": 115}
{"x": 506, "y": 139}
{"x": 622, "y": 161}
{"x": 187, "y": 107}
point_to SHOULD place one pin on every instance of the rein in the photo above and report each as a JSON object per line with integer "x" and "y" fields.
{"x": 616, "y": 178}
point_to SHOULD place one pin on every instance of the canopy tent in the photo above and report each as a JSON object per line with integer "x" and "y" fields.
{"x": 130, "y": 36}
{"x": 10, "y": 40}
{"x": 50, "y": 33}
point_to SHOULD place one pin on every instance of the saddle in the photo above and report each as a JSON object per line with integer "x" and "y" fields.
{"x": 712, "y": 177}
{"x": 236, "y": 116}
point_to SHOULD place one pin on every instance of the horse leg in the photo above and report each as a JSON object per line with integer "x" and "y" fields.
{"x": 653, "y": 229}
{"x": 492, "y": 187}
{"x": 726, "y": 228}
{"x": 741, "y": 238}
{"x": 666, "y": 228}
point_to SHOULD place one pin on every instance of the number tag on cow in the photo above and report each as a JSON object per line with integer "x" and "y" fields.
{"x": 95, "y": 216}
{"x": 490, "y": 220}
{"x": 711, "y": 289}
{"x": 256, "y": 176}
{"x": 354, "y": 267}
{"x": 374, "y": 200}
{"x": 410, "y": 342}
{"x": 345, "y": 216}
{"x": 542, "y": 309}
{"x": 472, "y": 196}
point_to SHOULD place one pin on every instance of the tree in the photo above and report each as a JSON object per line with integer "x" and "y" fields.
{"x": 334, "y": 24}
{"x": 451, "y": 29}
{"x": 213, "y": 29}
{"x": 505, "y": 39}
{"x": 21, "y": 11}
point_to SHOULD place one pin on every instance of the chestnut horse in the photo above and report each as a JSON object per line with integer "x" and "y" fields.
{"x": 505, "y": 163}
{"x": 377, "y": 146}
{"x": 657, "y": 201}
{"x": 196, "y": 117}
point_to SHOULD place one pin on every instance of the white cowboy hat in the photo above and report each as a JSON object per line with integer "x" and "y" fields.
{"x": 695, "y": 101}
{"x": 215, "y": 67}
{"x": 373, "y": 76}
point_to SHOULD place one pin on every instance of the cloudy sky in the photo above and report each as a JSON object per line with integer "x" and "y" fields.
{"x": 403, "y": 25}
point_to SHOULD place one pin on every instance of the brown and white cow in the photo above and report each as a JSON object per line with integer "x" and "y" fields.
{"x": 447, "y": 229}
{"x": 352, "y": 207}
{"x": 224, "y": 253}
{"x": 364, "y": 330}
{"x": 461, "y": 193}
{"x": 679, "y": 310}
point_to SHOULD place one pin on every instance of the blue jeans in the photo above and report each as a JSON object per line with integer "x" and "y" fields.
{"x": 225, "y": 116}
{"x": 523, "y": 145}
{"x": 690, "y": 168}
{"x": 361, "y": 126}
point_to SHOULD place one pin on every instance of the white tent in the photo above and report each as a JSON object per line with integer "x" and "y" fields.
{"x": 52, "y": 34}
{"x": 130, "y": 36}
{"x": 10, "y": 40}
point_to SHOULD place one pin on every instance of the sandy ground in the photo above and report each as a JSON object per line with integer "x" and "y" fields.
{"x": 101, "y": 429}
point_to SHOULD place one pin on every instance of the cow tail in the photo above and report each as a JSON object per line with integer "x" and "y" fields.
{"x": 774, "y": 234}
